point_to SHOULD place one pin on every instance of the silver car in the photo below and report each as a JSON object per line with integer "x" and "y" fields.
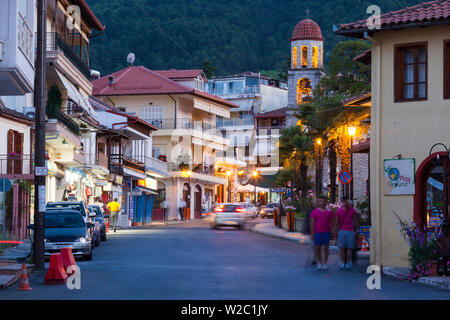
{"x": 230, "y": 214}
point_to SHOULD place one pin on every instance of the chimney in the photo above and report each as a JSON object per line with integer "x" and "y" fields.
{"x": 111, "y": 80}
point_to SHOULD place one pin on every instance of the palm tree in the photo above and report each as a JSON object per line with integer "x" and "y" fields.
{"x": 296, "y": 151}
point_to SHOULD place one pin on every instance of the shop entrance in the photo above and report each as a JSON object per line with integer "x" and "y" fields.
{"x": 197, "y": 202}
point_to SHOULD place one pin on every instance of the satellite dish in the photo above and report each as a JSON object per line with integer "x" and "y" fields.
{"x": 130, "y": 58}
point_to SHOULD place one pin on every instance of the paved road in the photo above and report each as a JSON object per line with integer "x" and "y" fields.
{"x": 192, "y": 261}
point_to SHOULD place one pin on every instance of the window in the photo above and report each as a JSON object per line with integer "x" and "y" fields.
{"x": 155, "y": 152}
{"x": 15, "y": 152}
{"x": 315, "y": 57}
{"x": 410, "y": 74}
{"x": 447, "y": 69}
{"x": 304, "y": 56}
{"x": 152, "y": 115}
{"x": 294, "y": 57}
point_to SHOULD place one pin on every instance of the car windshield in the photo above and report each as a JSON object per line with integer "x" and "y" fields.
{"x": 63, "y": 220}
{"x": 272, "y": 205}
{"x": 74, "y": 206}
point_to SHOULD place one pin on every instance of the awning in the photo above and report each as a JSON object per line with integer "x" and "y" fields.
{"x": 75, "y": 95}
{"x": 146, "y": 190}
{"x": 212, "y": 108}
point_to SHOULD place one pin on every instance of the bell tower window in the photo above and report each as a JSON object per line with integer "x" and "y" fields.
{"x": 294, "y": 57}
{"x": 305, "y": 56}
{"x": 315, "y": 57}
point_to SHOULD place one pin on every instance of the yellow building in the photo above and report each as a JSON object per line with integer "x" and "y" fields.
{"x": 410, "y": 113}
{"x": 187, "y": 138}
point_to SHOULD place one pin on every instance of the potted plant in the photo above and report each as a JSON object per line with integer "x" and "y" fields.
{"x": 424, "y": 248}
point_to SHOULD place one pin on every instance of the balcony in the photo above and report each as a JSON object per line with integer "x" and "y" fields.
{"x": 56, "y": 43}
{"x": 16, "y": 49}
{"x": 234, "y": 91}
{"x": 155, "y": 165}
{"x": 197, "y": 171}
{"x": 65, "y": 120}
{"x": 98, "y": 162}
{"x": 14, "y": 166}
{"x": 122, "y": 160}
{"x": 264, "y": 132}
{"x": 236, "y": 122}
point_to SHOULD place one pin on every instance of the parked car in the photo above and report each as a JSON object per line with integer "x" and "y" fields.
{"x": 250, "y": 210}
{"x": 79, "y": 206}
{"x": 67, "y": 228}
{"x": 100, "y": 220}
{"x": 268, "y": 210}
{"x": 231, "y": 214}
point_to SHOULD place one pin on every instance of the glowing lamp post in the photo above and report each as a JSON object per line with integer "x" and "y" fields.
{"x": 351, "y": 133}
{"x": 255, "y": 176}
{"x": 229, "y": 174}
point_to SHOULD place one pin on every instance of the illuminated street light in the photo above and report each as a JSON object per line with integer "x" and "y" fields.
{"x": 319, "y": 141}
{"x": 255, "y": 173}
{"x": 351, "y": 131}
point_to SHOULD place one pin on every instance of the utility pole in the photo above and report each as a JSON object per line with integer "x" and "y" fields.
{"x": 39, "y": 142}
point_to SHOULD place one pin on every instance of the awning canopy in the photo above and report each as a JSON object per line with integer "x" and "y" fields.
{"x": 74, "y": 95}
{"x": 250, "y": 188}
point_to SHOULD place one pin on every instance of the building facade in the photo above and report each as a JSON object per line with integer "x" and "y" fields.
{"x": 410, "y": 109}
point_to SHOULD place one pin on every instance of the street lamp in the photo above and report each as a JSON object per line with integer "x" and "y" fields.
{"x": 351, "y": 133}
{"x": 229, "y": 173}
{"x": 319, "y": 168}
{"x": 255, "y": 175}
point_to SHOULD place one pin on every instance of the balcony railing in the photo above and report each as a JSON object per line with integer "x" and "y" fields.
{"x": 197, "y": 168}
{"x": 64, "y": 119}
{"x": 155, "y": 164}
{"x": 267, "y": 131}
{"x": 235, "y": 122}
{"x": 134, "y": 162}
{"x": 183, "y": 123}
{"x": 98, "y": 159}
{"x": 56, "y": 43}
{"x": 234, "y": 91}
{"x": 13, "y": 164}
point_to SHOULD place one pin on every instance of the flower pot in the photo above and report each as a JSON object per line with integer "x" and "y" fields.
{"x": 433, "y": 269}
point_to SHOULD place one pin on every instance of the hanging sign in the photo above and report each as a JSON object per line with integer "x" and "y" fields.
{"x": 399, "y": 177}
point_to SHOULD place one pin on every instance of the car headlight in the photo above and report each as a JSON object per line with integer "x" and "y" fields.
{"x": 46, "y": 240}
{"x": 82, "y": 240}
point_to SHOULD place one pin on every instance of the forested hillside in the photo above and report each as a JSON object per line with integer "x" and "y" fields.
{"x": 234, "y": 35}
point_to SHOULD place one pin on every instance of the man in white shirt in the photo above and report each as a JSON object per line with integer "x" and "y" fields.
{"x": 181, "y": 206}
{"x": 165, "y": 206}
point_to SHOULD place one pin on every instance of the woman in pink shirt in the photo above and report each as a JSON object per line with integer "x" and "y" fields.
{"x": 321, "y": 221}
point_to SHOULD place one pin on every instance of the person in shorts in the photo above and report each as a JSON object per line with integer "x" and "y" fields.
{"x": 321, "y": 222}
{"x": 346, "y": 222}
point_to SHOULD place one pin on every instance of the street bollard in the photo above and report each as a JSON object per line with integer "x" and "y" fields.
{"x": 275, "y": 219}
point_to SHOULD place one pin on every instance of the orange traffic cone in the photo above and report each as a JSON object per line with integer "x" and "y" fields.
{"x": 55, "y": 273}
{"x": 24, "y": 284}
{"x": 364, "y": 245}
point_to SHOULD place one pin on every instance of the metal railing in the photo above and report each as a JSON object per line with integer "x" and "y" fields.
{"x": 156, "y": 164}
{"x": 98, "y": 159}
{"x": 134, "y": 162}
{"x": 249, "y": 121}
{"x": 234, "y": 91}
{"x": 16, "y": 164}
{"x": 56, "y": 43}
{"x": 65, "y": 120}
{"x": 197, "y": 168}
{"x": 183, "y": 123}
{"x": 267, "y": 131}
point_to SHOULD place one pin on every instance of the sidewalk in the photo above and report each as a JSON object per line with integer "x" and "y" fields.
{"x": 267, "y": 228}
{"x": 18, "y": 253}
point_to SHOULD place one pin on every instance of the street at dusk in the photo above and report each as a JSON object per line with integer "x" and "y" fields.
{"x": 192, "y": 261}
{"x": 256, "y": 152}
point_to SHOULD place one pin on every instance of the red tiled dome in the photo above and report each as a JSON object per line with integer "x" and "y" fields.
{"x": 307, "y": 30}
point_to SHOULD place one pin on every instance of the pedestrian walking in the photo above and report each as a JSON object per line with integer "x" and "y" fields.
{"x": 114, "y": 209}
{"x": 347, "y": 223}
{"x": 181, "y": 208}
{"x": 165, "y": 205}
{"x": 321, "y": 222}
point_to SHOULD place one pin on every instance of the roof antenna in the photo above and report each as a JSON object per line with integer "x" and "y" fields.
{"x": 130, "y": 58}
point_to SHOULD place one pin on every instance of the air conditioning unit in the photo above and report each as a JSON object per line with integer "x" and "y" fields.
{"x": 30, "y": 112}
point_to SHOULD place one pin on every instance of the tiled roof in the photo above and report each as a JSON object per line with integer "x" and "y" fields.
{"x": 88, "y": 15}
{"x": 100, "y": 105}
{"x": 426, "y": 13}
{"x": 307, "y": 30}
{"x": 179, "y": 74}
{"x": 278, "y": 113}
{"x": 365, "y": 57}
{"x": 138, "y": 80}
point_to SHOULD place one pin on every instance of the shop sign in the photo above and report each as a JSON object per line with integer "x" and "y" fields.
{"x": 278, "y": 190}
{"x": 148, "y": 183}
{"x": 107, "y": 187}
{"x": 41, "y": 171}
{"x": 118, "y": 179}
{"x": 399, "y": 177}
